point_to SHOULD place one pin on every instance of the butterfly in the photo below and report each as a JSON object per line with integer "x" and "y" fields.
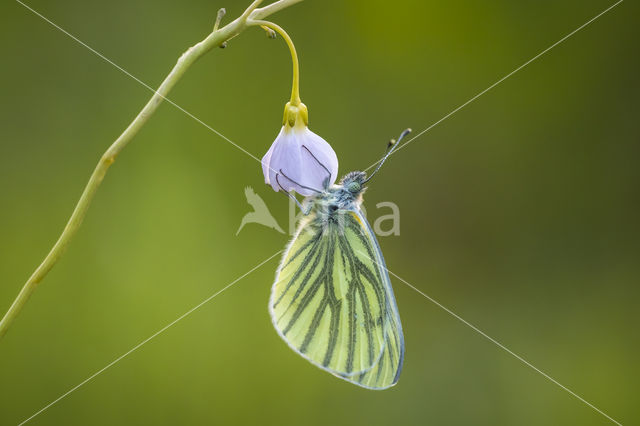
{"x": 332, "y": 300}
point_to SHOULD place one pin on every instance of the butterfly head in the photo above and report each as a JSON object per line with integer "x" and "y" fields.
{"x": 354, "y": 183}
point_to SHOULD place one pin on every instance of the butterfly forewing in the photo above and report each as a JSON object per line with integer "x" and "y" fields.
{"x": 332, "y": 301}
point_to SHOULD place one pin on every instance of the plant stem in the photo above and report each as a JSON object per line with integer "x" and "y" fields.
{"x": 295, "y": 86}
{"x": 216, "y": 38}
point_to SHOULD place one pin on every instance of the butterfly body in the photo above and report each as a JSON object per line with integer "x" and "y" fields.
{"x": 332, "y": 300}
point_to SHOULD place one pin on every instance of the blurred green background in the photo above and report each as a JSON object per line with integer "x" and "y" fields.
{"x": 519, "y": 212}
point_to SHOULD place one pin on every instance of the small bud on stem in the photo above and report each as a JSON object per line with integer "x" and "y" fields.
{"x": 219, "y": 17}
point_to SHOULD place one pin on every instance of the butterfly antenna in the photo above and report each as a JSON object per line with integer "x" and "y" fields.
{"x": 393, "y": 144}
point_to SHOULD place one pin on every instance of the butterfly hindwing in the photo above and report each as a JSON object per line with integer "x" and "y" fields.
{"x": 332, "y": 301}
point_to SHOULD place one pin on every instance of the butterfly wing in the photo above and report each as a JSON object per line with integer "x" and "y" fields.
{"x": 370, "y": 265}
{"x": 332, "y": 301}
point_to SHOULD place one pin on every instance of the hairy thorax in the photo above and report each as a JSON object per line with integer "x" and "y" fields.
{"x": 329, "y": 207}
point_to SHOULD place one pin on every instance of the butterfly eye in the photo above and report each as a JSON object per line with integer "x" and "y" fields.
{"x": 332, "y": 208}
{"x": 353, "y": 187}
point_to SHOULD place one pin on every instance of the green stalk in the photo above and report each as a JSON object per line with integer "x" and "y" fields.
{"x": 295, "y": 85}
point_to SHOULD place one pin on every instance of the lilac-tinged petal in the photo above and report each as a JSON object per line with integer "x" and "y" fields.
{"x": 266, "y": 160}
{"x": 319, "y": 157}
{"x": 297, "y": 158}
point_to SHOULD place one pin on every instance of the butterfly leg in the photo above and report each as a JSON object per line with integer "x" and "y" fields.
{"x": 299, "y": 184}
{"x": 288, "y": 194}
{"x": 325, "y": 181}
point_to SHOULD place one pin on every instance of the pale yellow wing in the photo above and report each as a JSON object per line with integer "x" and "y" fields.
{"x": 332, "y": 302}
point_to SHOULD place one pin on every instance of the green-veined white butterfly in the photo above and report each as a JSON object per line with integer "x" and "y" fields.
{"x": 332, "y": 300}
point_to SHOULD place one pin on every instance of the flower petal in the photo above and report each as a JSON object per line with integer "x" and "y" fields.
{"x": 318, "y": 158}
{"x": 299, "y": 158}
